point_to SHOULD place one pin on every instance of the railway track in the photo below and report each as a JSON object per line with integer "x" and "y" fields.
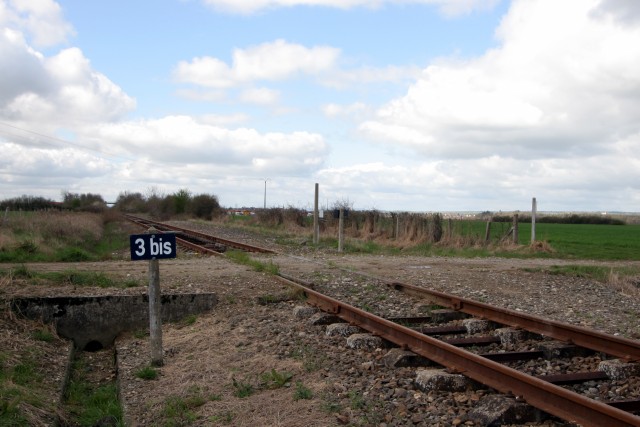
{"x": 482, "y": 356}
{"x": 195, "y": 240}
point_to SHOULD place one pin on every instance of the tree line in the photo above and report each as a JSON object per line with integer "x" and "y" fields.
{"x": 182, "y": 202}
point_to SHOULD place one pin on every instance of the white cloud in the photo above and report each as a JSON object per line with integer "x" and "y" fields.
{"x": 224, "y": 120}
{"x": 352, "y": 110}
{"x": 268, "y": 61}
{"x": 201, "y": 95}
{"x": 61, "y": 94}
{"x": 567, "y": 90}
{"x": 23, "y": 69}
{"x": 448, "y": 7}
{"x": 343, "y": 78}
{"x": 172, "y": 152}
{"x": 490, "y": 183}
{"x": 260, "y": 96}
{"x": 41, "y": 20}
{"x": 56, "y": 91}
{"x": 21, "y": 162}
{"x": 183, "y": 140}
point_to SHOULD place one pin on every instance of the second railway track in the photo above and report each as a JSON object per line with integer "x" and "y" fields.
{"x": 567, "y": 402}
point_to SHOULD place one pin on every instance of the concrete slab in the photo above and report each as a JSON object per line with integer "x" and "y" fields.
{"x": 365, "y": 341}
{"x": 440, "y": 380}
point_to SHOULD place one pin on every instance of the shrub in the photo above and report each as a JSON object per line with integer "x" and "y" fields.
{"x": 205, "y": 206}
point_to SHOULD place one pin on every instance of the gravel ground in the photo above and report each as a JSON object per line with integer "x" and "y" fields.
{"x": 242, "y": 341}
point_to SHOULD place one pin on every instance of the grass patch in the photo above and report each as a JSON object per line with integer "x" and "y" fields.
{"x": 243, "y": 258}
{"x": 603, "y": 274}
{"x": 356, "y": 400}
{"x": 330, "y": 403}
{"x": 72, "y": 254}
{"x": 61, "y": 237}
{"x": 69, "y": 277}
{"x": 242, "y": 389}
{"x": 147, "y": 373}
{"x": 312, "y": 361}
{"x": 301, "y": 392}
{"x": 140, "y": 334}
{"x": 190, "y": 320}
{"x": 43, "y": 335}
{"x": 26, "y": 389}
{"x": 19, "y": 272}
{"x": 274, "y": 379}
{"x": 89, "y": 402}
{"x": 179, "y": 410}
{"x": 79, "y": 278}
{"x": 465, "y": 238}
{"x": 225, "y": 417}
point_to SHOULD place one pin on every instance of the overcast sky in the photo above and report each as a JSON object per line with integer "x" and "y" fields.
{"x": 412, "y": 105}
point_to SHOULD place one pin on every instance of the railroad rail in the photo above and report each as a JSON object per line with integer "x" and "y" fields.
{"x": 540, "y": 392}
{"x": 197, "y": 241}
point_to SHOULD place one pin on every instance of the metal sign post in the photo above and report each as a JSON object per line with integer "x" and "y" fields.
{"x": 152, "y": 246}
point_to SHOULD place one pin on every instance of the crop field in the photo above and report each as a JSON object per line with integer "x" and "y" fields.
{"x": 570, "y": 241}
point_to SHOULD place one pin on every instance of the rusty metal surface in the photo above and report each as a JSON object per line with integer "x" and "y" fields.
{"x": 214, "y": 239}
{"x": 199, "y": 236}
{"x": 197, "y": 248}
{"x": 616, "y": 346}
{"x": 541, "y": 394}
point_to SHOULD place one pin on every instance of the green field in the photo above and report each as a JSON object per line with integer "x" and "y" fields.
{"x": 570, "y": 241}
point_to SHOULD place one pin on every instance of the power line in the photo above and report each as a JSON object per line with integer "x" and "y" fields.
{"x": 56, "y": 139}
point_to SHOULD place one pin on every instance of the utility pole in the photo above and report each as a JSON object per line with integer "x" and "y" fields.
{"x": 265, "y": 193}
{"x": 316, "y": 220}
{"x": 341, "y": 230}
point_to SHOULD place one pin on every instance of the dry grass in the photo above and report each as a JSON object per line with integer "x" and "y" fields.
{"x": 625, "y": 284}
{"x": 205, "y": 359}
{"x": 46, "y": 233}
{"x": 36, "y": 396}
{"x": 542, "y": 246}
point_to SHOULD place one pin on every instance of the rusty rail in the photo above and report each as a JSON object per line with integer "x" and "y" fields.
{"x": 553, "y": 399}
{"x": 623, "y": 348}
{"x": 539, "y": 393}
{"x": 198, "y": 235}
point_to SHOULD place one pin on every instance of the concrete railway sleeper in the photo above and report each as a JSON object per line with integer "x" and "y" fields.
{"x": 542, "y": 394}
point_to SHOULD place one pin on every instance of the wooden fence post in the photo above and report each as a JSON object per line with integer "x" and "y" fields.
{"x": 487, "y": 232}
{"x": 515, "y": 229}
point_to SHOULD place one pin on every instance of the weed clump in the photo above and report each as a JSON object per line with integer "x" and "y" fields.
{"x": 147, "y": 373}
{"x": 242, "y": 389}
